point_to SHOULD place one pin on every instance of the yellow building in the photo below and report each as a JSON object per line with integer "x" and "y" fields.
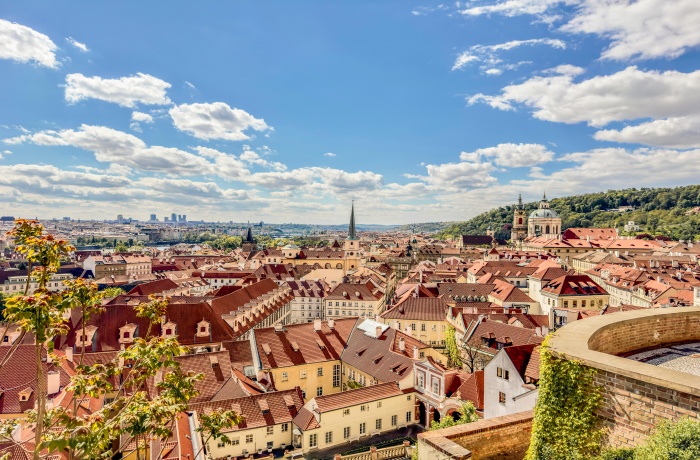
{"x": 328, "y": 421}
{"x": 306, "y": 355}
{"x": 422, "y": 318}
{"x": 573, "y": 291}
{"x": 267, "y": 423}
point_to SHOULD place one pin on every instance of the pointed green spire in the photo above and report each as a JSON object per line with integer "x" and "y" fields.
{"x": 352, "y": 235}
{"x": 520, "y": 201}
{"x": 544, "y": 197}
{"x": 249, "y": 236}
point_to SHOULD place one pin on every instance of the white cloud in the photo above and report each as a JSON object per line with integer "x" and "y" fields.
{"x": 626, "y": 95}
{"x": 117, "y": 147}
{"x": 489, "y": 54}
{"x": 6, "y": 152}
{"x": 463, "y": 59}
{"x": 23, "y": 44}
{"x": 329, "y": 154}
{"x": 679, "y": 132}
{"x": 81, "y": 46}
{"x": 226, "y": 165}
{"x": 512, "y": 155}
{"x": 141, "y": 117}
{"x": 126, "y": 91}
{"x": 215, "y": 121}
{"x": 190, "y": 85}
{"x": 458, "y": 176}
{"x": 252, "y": 157}
{"x": 512, "y": 7}
{"x": 643, "y": 29}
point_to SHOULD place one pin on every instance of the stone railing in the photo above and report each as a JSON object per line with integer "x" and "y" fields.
{"x": 402, "y": 451}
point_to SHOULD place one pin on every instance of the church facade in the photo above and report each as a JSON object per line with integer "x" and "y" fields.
{"x": 543, "y": 221}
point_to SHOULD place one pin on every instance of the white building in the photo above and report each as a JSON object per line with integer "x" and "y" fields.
{"x": 308, "y": 300}
{"x": 510, "y": 381}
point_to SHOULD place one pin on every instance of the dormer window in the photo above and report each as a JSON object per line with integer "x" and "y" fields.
{"x": 169, "y": 329}
{"x": 127, "y": 333}
{"x": 25, "y": 394}
{"x": 203, "y": 329}
{"x": 87, "y": 339}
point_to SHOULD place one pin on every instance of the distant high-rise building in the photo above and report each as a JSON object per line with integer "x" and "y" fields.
{"x": 120, "y": 219}
{"x": 153, "y": 217}
{"x": 67, "y": 219}
{"x": 184, "y": 218}
{"x": 173, "y": 217}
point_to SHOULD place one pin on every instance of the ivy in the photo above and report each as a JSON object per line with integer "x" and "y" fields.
{"x": 565, "y": 426}
{"x": 454, "y": 356}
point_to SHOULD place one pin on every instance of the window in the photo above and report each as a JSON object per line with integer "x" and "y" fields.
{"x": 329, "y": 437}
{"x": 378, "y": 424}
{"x": 421, "y": 354}
{"x": 319, "y": 372}
{"x": 319, "y": 391}
{"x": 220, "y": 444}
{"x": 421, "y": 381}
{"x": 285, "y": 427}
{"x": 363, "y": 427}
{"x": 313, "y": 440}
{"x": 499, "y": 372}
{"x": 379, "y": 404}
{"x": 346, "y": 411}
{"x": 302, "y": 374}
{"x": 270, "y": 430}
{"x": 364, "y": 408}
{"x": 413, "y": 326}
{"x": 346, "y": 432}
{"x": 336, "y": 375}
{"x": 394, "y": 420}
{"x": 422, "y": 327}
{"x": 501, "y": 397}
{"x": 436, "y": 386}
{"x": 248, "y": 438}
{"x": 235, "y": 441}
{"x": 303, "y": 394}
{"x": 409, "y": 417}
{"x": 285, "y": 376}
{"x": 408, "y": 397}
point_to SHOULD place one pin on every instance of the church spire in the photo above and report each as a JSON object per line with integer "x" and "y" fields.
{"x": 520, "y": 201}
{"x": 352, "y": 235}
{"x": 249, "y": 236}
{"x": 544, "y": 197}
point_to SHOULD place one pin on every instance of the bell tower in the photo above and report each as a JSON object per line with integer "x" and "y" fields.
{"x": 518, "y": 231}
{"x": 351, "y": 245}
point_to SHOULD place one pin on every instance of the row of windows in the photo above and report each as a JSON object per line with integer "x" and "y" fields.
{"x": 362, "y": 429}
{"x": 423, "y": 327}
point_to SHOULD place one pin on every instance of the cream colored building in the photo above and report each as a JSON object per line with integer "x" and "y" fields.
{"x": 267, "y": 424}
{"x": 328, "y": 421}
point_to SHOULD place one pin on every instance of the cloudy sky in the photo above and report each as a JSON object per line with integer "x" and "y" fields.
{"x": 286, "y": 111}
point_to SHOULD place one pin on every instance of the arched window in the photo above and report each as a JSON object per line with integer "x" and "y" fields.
{"x": 520, "y": 221}
{"x": 547, "y": 229}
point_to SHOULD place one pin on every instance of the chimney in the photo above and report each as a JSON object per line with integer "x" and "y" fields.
{"x": 317, "y": 325}
{"x": 415, "y": 352}
{"x": 402, "y": 344}
{"x": 69, "y": 354}
{"x": 674, "y": 263}
{"x": 396, "y": 325}
{"x": 331, "y": 324}
{"x": 378, "y": 331}
{"x": 53, "y": 383}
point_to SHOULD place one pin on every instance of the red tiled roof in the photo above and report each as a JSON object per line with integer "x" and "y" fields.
{"x": 519, "y": 355}
{"x": 532, "y": 370}
{"x": 393, "y": 364}
{"x": 568, "y": 285}
{"x": 472, "y": 389}
{"x": 306, "y": 420}
{"x": 282, "y": 353}
{"x": 506, "y": 292}
{"x": 153, "y": 287}
{"x": 357, "y": 396}
{"x": 418, "y": 308}
{"x": 252, "y": 408}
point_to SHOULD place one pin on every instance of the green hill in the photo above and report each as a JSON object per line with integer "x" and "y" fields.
{"x": 659, "y": 211}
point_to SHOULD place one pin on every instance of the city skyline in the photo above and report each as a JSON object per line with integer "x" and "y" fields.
{"x": 421, "y": 112}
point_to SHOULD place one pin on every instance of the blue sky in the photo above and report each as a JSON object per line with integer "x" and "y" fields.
{"x": 286, "y": 111}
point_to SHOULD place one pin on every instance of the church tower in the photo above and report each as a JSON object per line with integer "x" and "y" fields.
{"x": 249, "y": 244}
{"x": 518, "y": 231}
{"x": 544, "y": 221}
{"x": 352, "y": 244}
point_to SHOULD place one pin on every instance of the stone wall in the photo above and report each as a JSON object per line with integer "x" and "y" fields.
{"x": 505, "y": 438}
{"x": 637, "y": 396}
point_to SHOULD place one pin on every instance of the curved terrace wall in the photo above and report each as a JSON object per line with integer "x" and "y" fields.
{"x": 637, "y": 396}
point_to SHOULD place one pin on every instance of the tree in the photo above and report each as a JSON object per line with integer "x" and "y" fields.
{"x": 120, "y": 247}
{"x": 472, "y": 355}
{"x": 133, "y": 414}
{"x": 467, "y": 414}
{"x": 454, "y": 356}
